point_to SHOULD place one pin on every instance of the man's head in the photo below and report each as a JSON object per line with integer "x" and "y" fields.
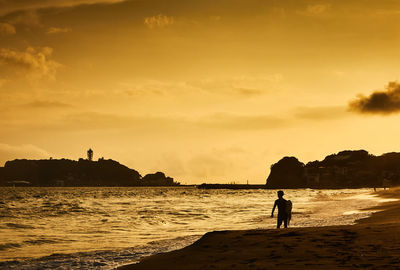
{"x": 280, "y": 193}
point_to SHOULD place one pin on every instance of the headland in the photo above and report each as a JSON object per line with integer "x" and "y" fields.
{"x": 73, "y": 173}
{"x": 346, "y": 169}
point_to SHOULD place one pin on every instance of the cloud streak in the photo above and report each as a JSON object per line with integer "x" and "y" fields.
{"x": 242, "y": 122}
{"x": 234, "y": 87}
{"x": 379, "y": 102}
{"x": 9, "y": 6}
{"x": 10, "y": 152}
{"x": 45, "y": 104}
{"x": 217, "y": 121}
{"x": 320, "y": 113}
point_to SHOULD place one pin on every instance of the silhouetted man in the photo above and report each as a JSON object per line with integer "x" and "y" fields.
{"x": 282, "y": 213}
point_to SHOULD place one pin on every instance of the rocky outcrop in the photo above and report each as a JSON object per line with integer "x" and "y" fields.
{"x": 346, "y": 169}
{"x": 287, "y": 173}
{"x": 154, "y": 179}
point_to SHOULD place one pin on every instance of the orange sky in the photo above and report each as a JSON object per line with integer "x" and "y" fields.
{"x": 204, "y": 90}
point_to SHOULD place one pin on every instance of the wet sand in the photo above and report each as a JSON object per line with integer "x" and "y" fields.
{"x": 373, "y": 243}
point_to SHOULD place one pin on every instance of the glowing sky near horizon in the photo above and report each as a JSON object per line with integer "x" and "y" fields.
{"x": 203, "y": 90}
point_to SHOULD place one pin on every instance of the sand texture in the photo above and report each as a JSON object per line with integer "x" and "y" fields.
{"x": 374, "y": 243}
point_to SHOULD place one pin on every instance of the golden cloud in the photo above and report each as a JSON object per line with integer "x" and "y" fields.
{"x": 317, "y": 9}
{"x": 57, "y": 30}
{"x": 158, "y": 21}
{"x": 7, "y": 29}
{"x": 36, "y": 61}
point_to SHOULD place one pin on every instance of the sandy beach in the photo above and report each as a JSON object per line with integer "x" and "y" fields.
{"x": 372, "y": 243}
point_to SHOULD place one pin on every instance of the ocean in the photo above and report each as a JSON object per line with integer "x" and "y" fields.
{"x": 101, "y": 228}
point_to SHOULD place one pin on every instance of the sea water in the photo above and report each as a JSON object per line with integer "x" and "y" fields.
{"x": 101, "y": 228}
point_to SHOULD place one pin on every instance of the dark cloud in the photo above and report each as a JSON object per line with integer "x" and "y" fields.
{"x": 379, "y": 102}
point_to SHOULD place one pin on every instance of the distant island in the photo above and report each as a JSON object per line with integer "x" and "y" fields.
{"x": 72, "y": 173}
{"x": 347, "y": 169}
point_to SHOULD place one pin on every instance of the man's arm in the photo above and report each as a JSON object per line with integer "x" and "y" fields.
{"x": 273, "y": 209}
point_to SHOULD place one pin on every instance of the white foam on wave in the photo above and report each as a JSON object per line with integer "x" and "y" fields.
{"x": 102, "y": 259}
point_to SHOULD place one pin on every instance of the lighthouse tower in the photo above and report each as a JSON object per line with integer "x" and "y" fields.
{"x": 90, "y": 154}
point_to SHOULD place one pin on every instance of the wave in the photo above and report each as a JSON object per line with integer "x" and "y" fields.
{"x": 9, "y": 246}
{"x": 19, "y": 226}
{"x": 104, "y": 259}
{"x": 40, "y": 242}
{"x": 34, "y": 242}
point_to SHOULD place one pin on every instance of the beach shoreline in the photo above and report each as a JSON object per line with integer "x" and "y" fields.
{"x": 371, "y": 243}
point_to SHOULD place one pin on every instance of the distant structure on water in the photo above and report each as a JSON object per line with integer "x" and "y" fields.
{"x": 90, "y": 154}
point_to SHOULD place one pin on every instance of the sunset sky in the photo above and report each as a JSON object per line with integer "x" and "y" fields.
{"x": 203, "y": 90}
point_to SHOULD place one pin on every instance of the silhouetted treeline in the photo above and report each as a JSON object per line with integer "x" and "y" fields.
{"x": 347, "y": 169}
{"x": 64, "y": 172}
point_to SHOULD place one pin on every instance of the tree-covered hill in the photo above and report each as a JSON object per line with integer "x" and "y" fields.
{"x": 346, "y": 169}
{"x": 65, "y": 172}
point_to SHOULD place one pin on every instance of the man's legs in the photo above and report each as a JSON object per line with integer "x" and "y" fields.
{"x": 279, "y": 222}
{"x": 284, "y": 219}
